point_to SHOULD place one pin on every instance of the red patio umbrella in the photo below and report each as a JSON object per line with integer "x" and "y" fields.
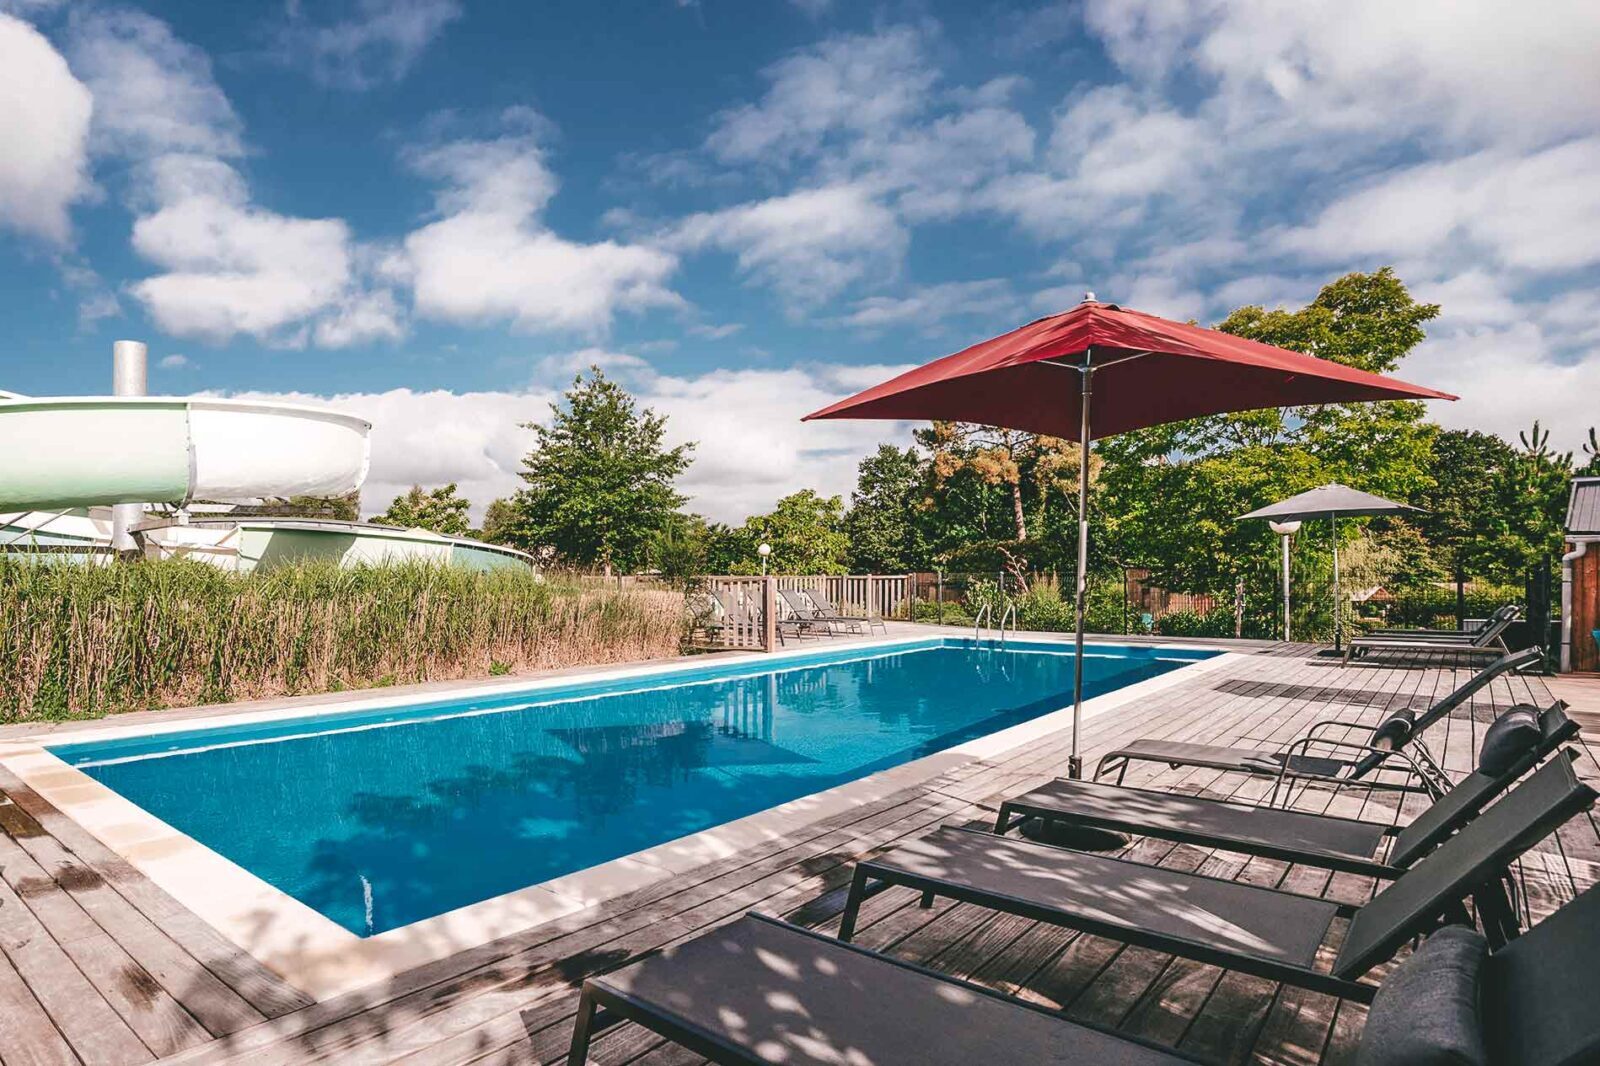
{"x": 1100, "y": 369}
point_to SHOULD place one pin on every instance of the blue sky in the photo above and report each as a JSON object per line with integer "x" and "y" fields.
{"x": 430, "y": 212}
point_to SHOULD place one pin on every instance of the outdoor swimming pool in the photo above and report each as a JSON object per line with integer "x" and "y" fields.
{"x": 384, "y": 817}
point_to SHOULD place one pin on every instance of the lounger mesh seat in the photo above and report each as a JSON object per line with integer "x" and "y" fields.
{"x": 1295, "y": 761}
{"x": 1244, "y": 927}
{"x": 1294, "y": 836}
{"x": 1270, "y": 831}
{"x": 762, "y": 991}
{"x": 1122, "y": 895}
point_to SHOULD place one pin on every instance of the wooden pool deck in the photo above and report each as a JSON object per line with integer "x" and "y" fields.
{"x": 98, "y": 966}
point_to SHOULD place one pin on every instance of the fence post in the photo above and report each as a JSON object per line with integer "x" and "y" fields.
{"x": 769, "y": 613}
{"x": 872, "y": 595}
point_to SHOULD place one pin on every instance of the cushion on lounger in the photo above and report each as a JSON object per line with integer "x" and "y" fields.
{"x": 1509, "y": 738}
{"x": 1426, "y": 1013}
{"x": 1394, "y": 730}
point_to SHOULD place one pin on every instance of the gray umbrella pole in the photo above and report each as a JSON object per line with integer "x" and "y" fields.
{"x": 1075, "y": 761}
{"x": 1338, "y": 630}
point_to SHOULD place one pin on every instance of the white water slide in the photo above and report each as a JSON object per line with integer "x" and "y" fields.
{"x": 59, "y": 452}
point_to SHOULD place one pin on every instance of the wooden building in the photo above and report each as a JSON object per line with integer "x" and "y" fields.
{"x": 1580, "y": 579}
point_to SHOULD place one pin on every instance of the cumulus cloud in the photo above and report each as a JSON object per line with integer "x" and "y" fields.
{"x": 808, "y": 246}
{"x": 856, "y": 84}
{"x": 377, "y": 41}
{"x": 229, "y": 266}
{"x": 927, "y": 306}
{"x": 154, "y": 93}
{"x": 44, "y": 125}
{"x": 1535, "y": 212}
{"x": 1454, "y": 67}
{"x": 752, "y": 447}
{"x": 490, "y": 257}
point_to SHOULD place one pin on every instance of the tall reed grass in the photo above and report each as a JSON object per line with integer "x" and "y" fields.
{"x": 82, "y": 641}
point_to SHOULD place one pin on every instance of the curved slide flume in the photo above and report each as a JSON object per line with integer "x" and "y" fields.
{"x": 60, "y": 452}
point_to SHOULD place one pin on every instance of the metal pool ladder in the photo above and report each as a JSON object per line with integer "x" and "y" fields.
{"x": 986, "y": 614}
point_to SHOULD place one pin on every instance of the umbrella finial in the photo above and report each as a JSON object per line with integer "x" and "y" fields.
{"x": 1088, "y": 297}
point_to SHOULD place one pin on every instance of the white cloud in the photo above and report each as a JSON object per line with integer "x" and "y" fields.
{"x": 361, "y": 318}
{"x": 752, "y": 446}
{"x": 173, "y": 362}
{"x": 44, "y": 126}
{"x": 491, "y": 258}
{"x": 927, "y": 306}
{"x": 808, "y": 246}
{"x": 861, "y": 84}
{"x": 1534, "y": 212}
{"x": 379, "y": 41}
{"x": 153, "y": 93}
{"x": 1456, "y": 67}
{"x": 1506, "y": 379}
{"x": 229, "y": 266}
{"x": 232, "y": 268}
{"x": 560, "y": 369}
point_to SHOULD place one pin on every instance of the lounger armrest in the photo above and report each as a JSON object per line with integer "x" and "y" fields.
{"x": 1304, "y": 743}
{"x": 1316, "y": 728}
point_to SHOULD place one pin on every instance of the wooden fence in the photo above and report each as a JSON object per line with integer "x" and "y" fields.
{"x": 743, "y": 611}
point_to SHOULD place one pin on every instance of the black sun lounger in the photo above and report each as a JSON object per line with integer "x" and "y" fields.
{"x": 1488, "y": 639}
{"x": 1259, "y": 931}
{"x": 1352, "y": 762}
{"x": 1319, "y": 840}
{"x": 1501, "y": 616}
{"x": 761, "y": 991}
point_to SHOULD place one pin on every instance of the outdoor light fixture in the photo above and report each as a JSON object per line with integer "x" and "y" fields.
{"x": 1285, "y": 530}
{"x": 764, "y": 550}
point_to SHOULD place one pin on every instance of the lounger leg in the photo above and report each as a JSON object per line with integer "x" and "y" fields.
{"x": 579, "y": 1053}
{"x": 1496, "y": 916}
{"x": 926, "y": 901}
{"x": 1002, "y": 822}
{"x": 852, "y": 905}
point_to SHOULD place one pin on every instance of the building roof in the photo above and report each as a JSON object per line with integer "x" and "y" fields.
{"x": 1583, "y": 508}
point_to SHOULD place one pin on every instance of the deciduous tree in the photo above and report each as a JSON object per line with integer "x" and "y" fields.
{"x": 599, "y": 480}
{"x": 440, "y": 510}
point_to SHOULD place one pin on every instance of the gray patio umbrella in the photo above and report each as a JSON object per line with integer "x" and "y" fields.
{"x": 1331, "y": 502}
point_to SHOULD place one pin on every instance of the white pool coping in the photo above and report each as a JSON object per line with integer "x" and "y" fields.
{"x": 323, "y": 959}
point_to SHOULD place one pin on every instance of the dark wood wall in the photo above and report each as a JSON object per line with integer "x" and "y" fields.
{"x": 1585, "y": 609}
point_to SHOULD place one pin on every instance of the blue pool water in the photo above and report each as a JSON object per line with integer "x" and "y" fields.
{"x": 440, "y": 804}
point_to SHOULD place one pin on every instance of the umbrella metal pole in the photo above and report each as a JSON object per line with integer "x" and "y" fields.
{"x": 1286, "y": 637}
{"x": 1333, "y": 522}
{"x": 1075, "y": 760}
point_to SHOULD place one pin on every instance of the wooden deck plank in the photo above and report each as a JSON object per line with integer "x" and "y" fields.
{"x": 512, "y": 1001}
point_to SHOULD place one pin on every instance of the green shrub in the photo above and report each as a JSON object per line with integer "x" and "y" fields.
{"x": 1214, "y": 623}
{"x": 80, "y": 641}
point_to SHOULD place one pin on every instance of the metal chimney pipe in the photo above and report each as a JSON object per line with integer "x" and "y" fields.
{"x": 129, "y": 377}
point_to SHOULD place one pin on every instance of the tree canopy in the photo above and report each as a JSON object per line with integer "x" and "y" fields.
{"x": 599, "y": 482}
{"x": 440, "y": 510}
{"x": 884, "y": 526}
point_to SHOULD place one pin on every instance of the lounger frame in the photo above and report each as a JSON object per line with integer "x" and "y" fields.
{"x": 1424, "y": 770}
{"x": 1557, "y": 728}
{"x": 1480, "y": 878}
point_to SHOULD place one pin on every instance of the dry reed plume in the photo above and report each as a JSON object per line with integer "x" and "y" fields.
{"x": 82, "y": 641}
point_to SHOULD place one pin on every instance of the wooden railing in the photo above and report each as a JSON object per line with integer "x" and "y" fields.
{"x": 742, "y": 611}
{"x": 861, "y": 595}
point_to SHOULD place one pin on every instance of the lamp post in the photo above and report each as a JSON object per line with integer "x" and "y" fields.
{"x": 1285, "y": 530}
{"x": 764, "y": 550}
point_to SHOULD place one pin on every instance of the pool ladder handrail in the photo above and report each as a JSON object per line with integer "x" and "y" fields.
{"x": 986, "y": 613}
{"x": 1010, "y": 613}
